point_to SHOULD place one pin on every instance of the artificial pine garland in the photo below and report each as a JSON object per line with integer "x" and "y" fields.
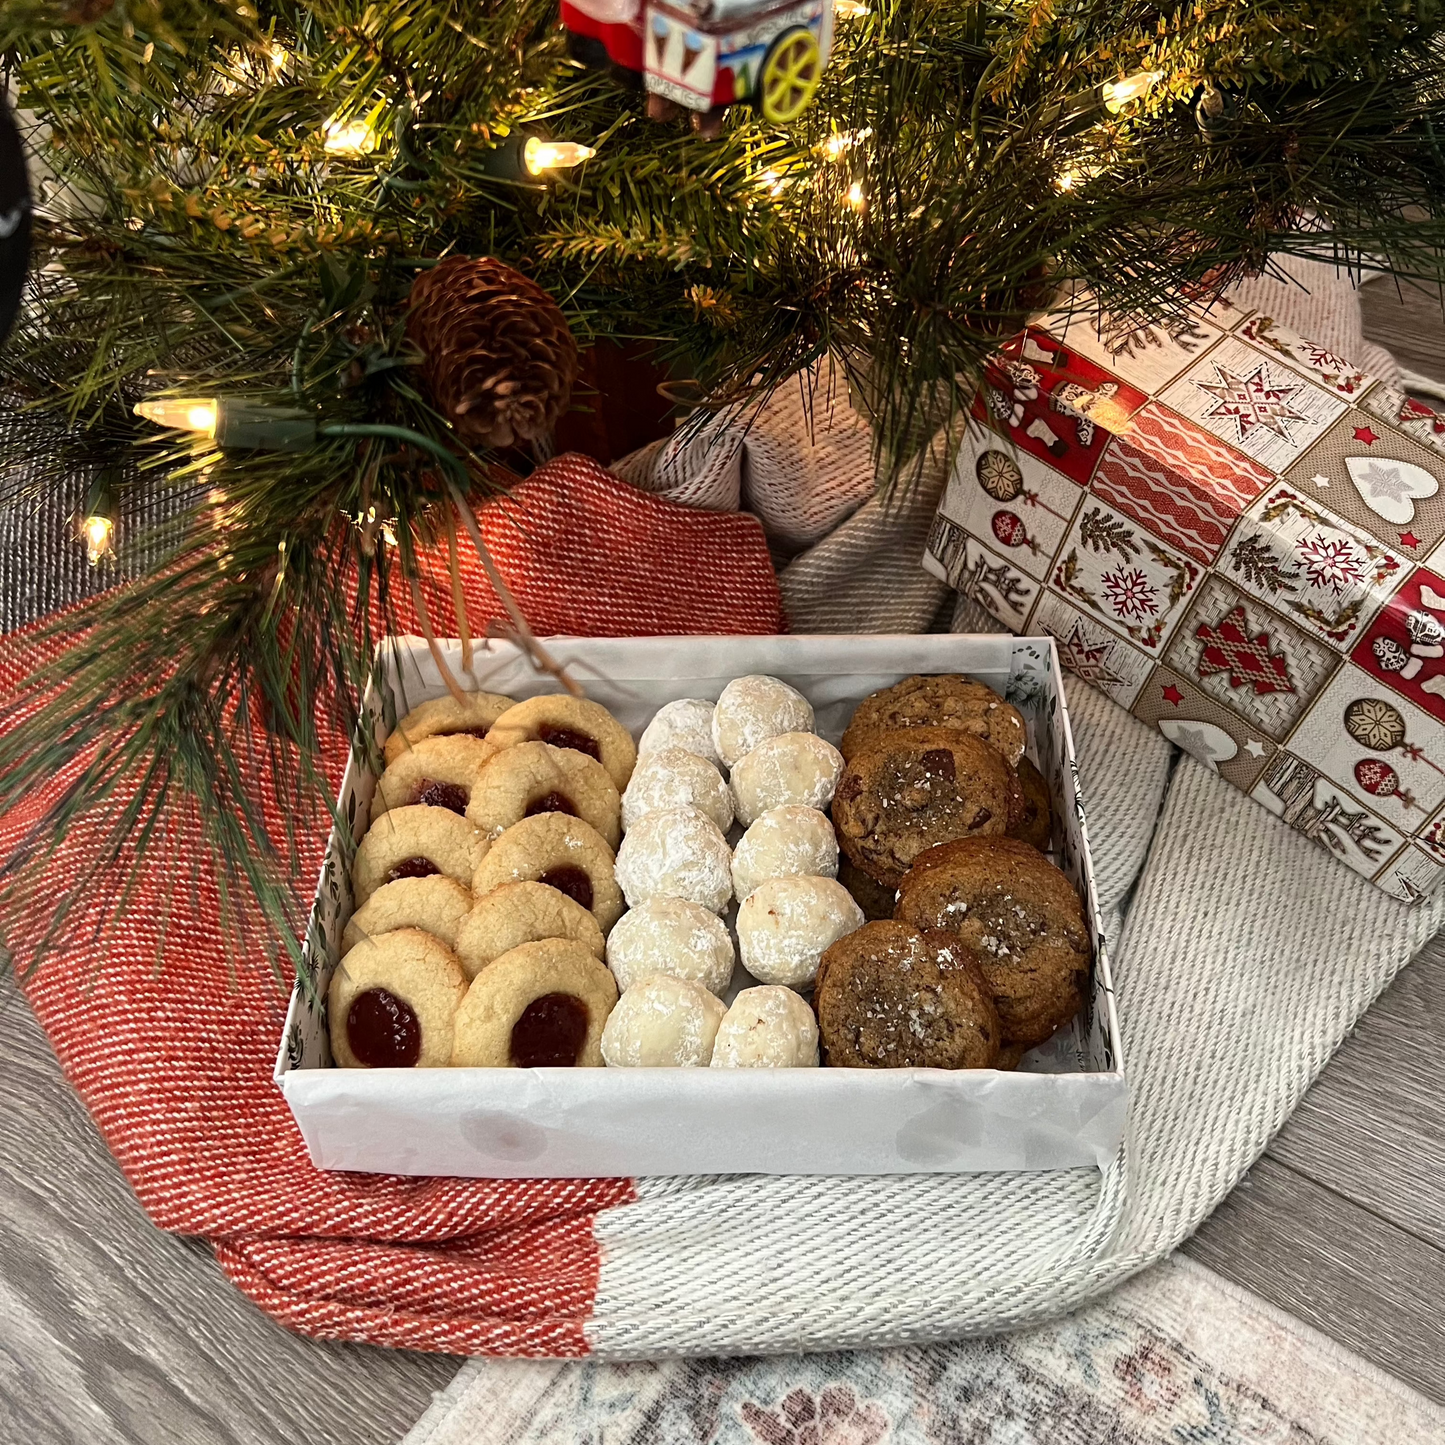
{"x": 240, "y": 202}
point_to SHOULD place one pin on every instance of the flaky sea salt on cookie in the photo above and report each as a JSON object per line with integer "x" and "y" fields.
{"x": 785, "y": 924}
{"x": 791, "y": 768}
{"x": 753, "y": 708}
{"x": 766, "y": 1028}
{"x": 671, "y": 935}
{"x": 673, "y": 778}
{"x": 685, "y": 724}
{"x": 675, "y": 853}
{"x": 787, "y": 842}
{"x": 662, "y": 1023}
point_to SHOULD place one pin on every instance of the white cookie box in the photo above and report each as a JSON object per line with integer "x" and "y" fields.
{"x": 1065, "y": 1108}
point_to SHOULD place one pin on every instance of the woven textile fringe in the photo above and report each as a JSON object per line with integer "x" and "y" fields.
{"x": 1246, "y": 956}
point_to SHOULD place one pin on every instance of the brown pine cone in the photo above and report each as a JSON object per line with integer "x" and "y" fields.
{"x": 499, "y": 360}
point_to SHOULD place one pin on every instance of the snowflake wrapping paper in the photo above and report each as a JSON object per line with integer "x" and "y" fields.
{"x": 1240, "y": 538}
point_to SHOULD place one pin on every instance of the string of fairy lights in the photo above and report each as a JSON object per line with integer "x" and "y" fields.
{"x": 231, "y": 423}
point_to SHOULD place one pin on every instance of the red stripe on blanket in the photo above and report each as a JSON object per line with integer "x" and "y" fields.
{"x": 168, "y": 1028}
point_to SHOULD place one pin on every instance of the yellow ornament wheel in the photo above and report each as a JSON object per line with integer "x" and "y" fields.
{"x": 790, "y": 76}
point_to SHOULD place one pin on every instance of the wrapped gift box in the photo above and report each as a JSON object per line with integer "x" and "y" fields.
{"x": 1239, "y": 537}
{"x": 1065, "y": 1106}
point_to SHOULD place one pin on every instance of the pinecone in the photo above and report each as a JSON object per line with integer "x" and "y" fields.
{"x": 499, "y": 359}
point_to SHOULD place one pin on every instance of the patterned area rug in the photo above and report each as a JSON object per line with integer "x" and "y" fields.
{"x": 1177, "y": 1356}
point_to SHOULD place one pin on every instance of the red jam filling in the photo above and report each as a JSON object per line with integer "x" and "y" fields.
{"x": 560, "y": 737}
{"x": 413, "y": 868}
{"x": 551, "y": 803}
{"x": 550, "y": 1032}
{"x": 574, "y": 882}
{"x": 383, "y": 1031}
{"x": 450, "y": 796}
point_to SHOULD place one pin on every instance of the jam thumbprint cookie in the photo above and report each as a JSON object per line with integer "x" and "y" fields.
{"x": 543, "y": 1005}
{"x": 915, "y": 788}
{"x": 569, "y": 722}
{"x": 444, "y": 717}
{"x": 564, "y": 853}
{"x": 894, "y": 997}
{"x": 534, "y": 778}
{"x": 416, "y": 842}
{"x": 393, "y": 1002}
{"x": 436, "y": 905}
{"x": 518, "y": 913}
{"x": 947, "y": 701}
{"x": 439, "y": 772}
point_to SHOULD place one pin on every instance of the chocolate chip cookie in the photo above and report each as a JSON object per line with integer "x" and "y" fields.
{"x": 945, "y": 701}
{"x": 1033, "y": 823}
{"x": 891, "y": 996}
{"x": 1020, "y": 916}
{"x": 914, "y": 788}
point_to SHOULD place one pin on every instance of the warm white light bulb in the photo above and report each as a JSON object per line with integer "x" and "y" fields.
{"x": 348, "y": 138}
{"x": 193, "y": 414}
{"x": 549, "y": 155}
{"x": 1118, "y": 93}
{"x": 98, "y": 532}
{"x": 854, "y": 196}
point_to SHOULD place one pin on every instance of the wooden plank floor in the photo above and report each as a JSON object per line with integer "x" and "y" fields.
{"x": 1343, "y": 1221}
{"x": 113, "y": 1332}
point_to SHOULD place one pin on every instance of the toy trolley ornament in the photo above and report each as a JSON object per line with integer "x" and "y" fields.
{"x": 704, "y": 55}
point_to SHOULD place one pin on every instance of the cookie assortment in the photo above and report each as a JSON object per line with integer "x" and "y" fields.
{"x": 536, "y": 890}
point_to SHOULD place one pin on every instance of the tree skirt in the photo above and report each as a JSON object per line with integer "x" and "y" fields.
{"x": 1176, "y": 1355}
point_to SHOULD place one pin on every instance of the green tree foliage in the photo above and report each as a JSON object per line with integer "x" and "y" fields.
{"x": 197, "y": 236}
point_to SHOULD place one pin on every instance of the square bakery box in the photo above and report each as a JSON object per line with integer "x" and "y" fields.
{"x": 1065, "y": 1108}
{"x": 1239, "y": 537}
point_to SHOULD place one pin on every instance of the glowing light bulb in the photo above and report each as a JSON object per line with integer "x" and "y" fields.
{"x": 196, "y": 415}
{"x": 840, "y": 140}
{"x": 98, "y": 533}
{"x": 1118, "y": 93}
{"x": 549, "y": 155}
{"x": 348, "y": 138}
{"x": 1067, "y": 180}
{"x": 854, "y": 196}
{"x": 279, "y": 56}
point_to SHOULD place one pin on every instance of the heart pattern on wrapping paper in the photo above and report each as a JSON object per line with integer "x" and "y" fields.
{"x": 1391, "y": 488}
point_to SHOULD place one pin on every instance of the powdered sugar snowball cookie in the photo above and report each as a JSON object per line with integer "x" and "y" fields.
{"x": 769, "y": 1027}
{"x": 788, "y": 842}
{"x": 662, "y": 1022}
{"x": 675, "y": 936}
{"x": 753, "y": 708}
{"x": 674, "y": 778}
{"x": 685, "y": 724}
{"x": 785, "y": 924}
{"x": 675, "y": 853}
{"x": 799, "y": 768}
